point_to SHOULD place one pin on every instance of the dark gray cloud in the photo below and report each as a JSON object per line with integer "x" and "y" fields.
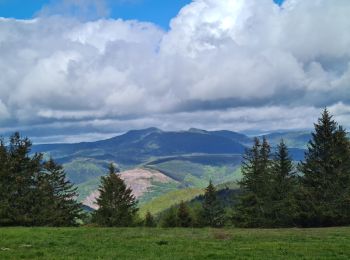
{"x": 233, "y": 64}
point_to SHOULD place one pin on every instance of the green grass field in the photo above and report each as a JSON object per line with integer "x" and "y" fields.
{"x": 143, "y": 243}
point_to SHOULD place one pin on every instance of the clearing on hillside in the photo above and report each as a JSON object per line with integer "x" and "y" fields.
{"x": 141, "y": 181}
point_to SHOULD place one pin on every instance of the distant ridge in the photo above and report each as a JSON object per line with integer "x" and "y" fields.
{"x": 136, "y": 145}
{"x": 191, "y": 158}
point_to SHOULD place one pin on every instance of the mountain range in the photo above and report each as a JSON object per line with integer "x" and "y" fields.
{"x": 187, "y": 160}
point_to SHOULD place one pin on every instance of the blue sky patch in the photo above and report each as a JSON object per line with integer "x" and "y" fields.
{"x": 159, "y": 12}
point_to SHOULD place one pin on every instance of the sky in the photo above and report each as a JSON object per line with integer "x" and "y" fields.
{"x": 81, "y": 70}
{"x": 159, "y": 12}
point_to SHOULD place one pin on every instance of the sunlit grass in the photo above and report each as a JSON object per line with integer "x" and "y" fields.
{"x": 143, "y": 243}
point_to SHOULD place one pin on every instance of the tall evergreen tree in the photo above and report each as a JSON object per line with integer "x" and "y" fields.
{"x": 213, "y": 211}
{"x": 254, "y": 202}
{"x": 184, "y": 218}
{"x": 283, "y": 187}
{"x": 23, "y": 174}
{"x": 342, "y": 201}
{"x": 326, "y": 176}
{"x": 6, "y": 187}
{"x": 30, "y": 192}
{"x": 117, "y": 205}
{"x": 57, "y": 197}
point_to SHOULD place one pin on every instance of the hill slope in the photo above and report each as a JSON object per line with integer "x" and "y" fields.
{"x": 189, "y": 158}
{"x": 138, "y": 146}
{"x": 141, "y": 181}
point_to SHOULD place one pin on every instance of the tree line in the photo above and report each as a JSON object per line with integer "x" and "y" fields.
{"x": 34, "y": 192}
{"x": 117, "y": 207}
{"x": 314, "y": 193}
{"x": 274, "y": 191}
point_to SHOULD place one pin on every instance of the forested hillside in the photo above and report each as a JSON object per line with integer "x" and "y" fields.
{"x": 189, "y": 157}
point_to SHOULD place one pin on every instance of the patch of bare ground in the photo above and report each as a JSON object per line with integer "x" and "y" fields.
{"x": 139, "y": 180}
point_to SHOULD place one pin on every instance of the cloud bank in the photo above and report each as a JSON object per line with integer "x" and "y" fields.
{"x": 233, "y": 64}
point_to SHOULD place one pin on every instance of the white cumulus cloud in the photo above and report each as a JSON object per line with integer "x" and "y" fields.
{"x": 240, "y": 64}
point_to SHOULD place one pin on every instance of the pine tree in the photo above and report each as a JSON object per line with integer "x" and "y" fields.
{"x": 149, "y": 220}
{"x": 23, "y": 174}
{"x": 58, "y": 196}
{"x": 283, "y": 186}
{"x": 6, "y": 186}
{"x": 325, "y": 182}
{"x": 117, "y": 205}
{"x": 183, "y": 215}
{"x": 254, "y": 203}
{"x": 31, "y": 193}
{"x": 264, "y": 177}
{"x": 342, "y": 201}
{"x": 213, "y": 212}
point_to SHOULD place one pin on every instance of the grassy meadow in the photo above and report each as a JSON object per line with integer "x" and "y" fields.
{"x": 155, "y": 243}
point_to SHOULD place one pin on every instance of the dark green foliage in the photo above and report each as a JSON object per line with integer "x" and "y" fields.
{"x": 254, "y": 204}
{"x": 326, "y": 176}
{"x": 220, "y": 211}
{"x": 272, "y": 194}
{"x": 184, "y": 218}
{"x": 283, "y": 188}
{"x": 60, "y": 205}
{"x": 213, "y": 212}
{"x": 23, "y": 176}
{"x": 117, "y": 205}
{"x": 177, "y": 216}
{"x": 196, "y": 210}
{"x": 169, "y": 218}
{"x": 226, "y": 199}
{"x": 33, "y": 192}
{"x": 7, "y": 182}
{"x": 149, "y": 220}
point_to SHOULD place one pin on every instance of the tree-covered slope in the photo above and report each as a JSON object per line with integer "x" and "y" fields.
{"x": 137, "y": 146}
{"x": 191, "y": 158}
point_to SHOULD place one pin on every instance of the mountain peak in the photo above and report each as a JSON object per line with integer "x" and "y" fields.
{"x": 198, "y": 131}
{"x": 146, "y": 130}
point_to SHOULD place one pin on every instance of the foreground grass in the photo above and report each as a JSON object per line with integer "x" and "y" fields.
{"x": 142, "y": 243}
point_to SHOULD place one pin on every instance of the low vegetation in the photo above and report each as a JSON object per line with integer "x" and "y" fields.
{"x": 176, "y": 243}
